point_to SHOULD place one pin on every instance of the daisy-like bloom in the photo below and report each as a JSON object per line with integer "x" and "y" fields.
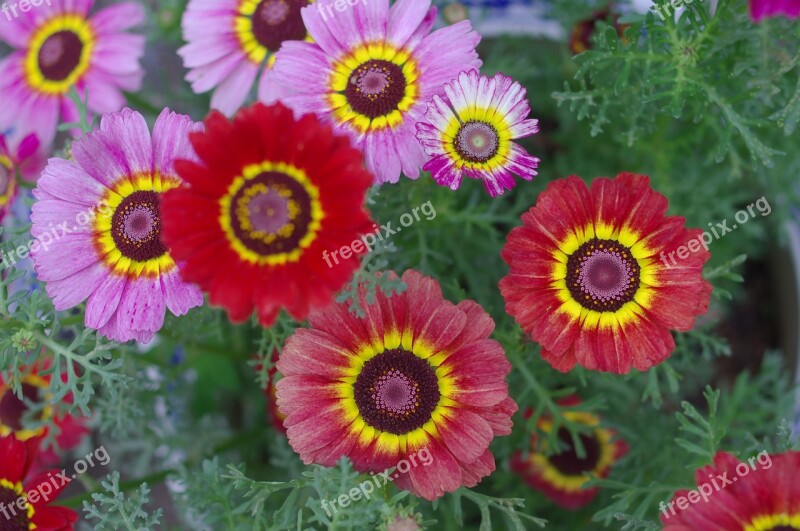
{"x": 415, "y": 373}
{"x": 36, "y": 392}
{"x": 58, "y": 45}
{"x": 470, "y": 132}
{"x": 108, "y": 202}
{"x": 760, "y": 9}
{"x": 561, "y": 476}
{"x": 231, "y": 41}
{"x": 591, "y": 277}
{"x": 269, "y": 198}
{"x": 16, "y": 459}
{"x": 370, "y": 69}
{"x": 11, "y": 162}
{"x": 761, "y": 494}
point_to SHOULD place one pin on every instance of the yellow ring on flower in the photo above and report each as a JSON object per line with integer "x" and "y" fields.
{"x": 243, "y": 27}
{"x": 771, "y": 521}
{"x": 12, "y": 181}
{"x": 250, "y": 172}
{"x": 349, "y": 63}
{"x": 104, "y": 241}
{"x": 20, "y": 491}
{"x": 47, "y": 410}
{"x": 485, "y": 115}
{"x": 72, "y": 23}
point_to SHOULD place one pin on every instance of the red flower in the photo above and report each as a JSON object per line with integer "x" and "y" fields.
{"x": 270, "y": 197}
{"x": 561, "y": 476}
{"x": 274, "y": 416}
{"x": 416, "y": 376}
{"x": 26, "y": 505}
{"x": 594, "y": 275}
{"x": 760, "y": 494}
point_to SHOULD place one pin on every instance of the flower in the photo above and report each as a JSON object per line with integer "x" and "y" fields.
{"x": 36, "y": 393}
{"x": 16, "y": 459}
{"x": 58, "y": 45}
{"x": 370, "y": 69}
{"x": 109, "y": 249}
{"x": 231, "y": 41}
{"x": 274, "y": 416}
{"x": 757, "y": 495}
{"x": 760, "y": 9}
{"x": 561, "y": 476}
{"x": 415, "y": 373}
{"x": 580, "y": 38}
{"x": 469, "y": 132}
{"x": 12, "y": 161}
{"x": 269, "y": 198}
{"x": 591, "y": 277}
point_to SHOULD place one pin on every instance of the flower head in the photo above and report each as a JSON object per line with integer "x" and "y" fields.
{"x": 16, "y": 459}
{"x": 14, "y": 160}
{"x": 58, "y": 45}
{"x": 370, "y": 69}
{"x": 562, "y": 474}
{"x": 761, "y": 9}
{"x": 470, "y": 132}
{"x": 231, "y": 41}
{"x": 270, "y": 197}
{"x": 110, "y": 250}
{"x": 762, "y": 494}
{"x": 415, "y": 374}
{"x": 591, "y": 277}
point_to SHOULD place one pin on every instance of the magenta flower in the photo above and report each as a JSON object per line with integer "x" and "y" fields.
{"x": 57, "y": 45}
{"x": 370, "y": 69}
{"x": 231, "y": 41}
{"x": 107, "y": 246}
{"x": 760, "y": 9}
{"x": 469, "y": 132}
{"x": 15, "y": 157}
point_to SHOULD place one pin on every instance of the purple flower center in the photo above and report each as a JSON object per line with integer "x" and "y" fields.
{"x": 567, "y": 461}
{"x": 276, "y": 21}
{"x": 376, "y": 88}
{"x": 602, "y": 275}
{"x": 271, "y": 214}
{"x": 136, "y": 227}
{"x": 396, "y": 391}
{"x": 477, "y": 141}
{"x": 17, "y": 520}
{"x": 60, "y": 55}
{"x": 12, "y": 408}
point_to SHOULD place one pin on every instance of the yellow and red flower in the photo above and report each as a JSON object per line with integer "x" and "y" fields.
{"x": 591, "y": 279}
{"x": 268, "y": 198}
{"x": 741, "y": 496}
{"x": 561, "y": 476}
{"x": 415, "y": 373}
{"x": 16, "y": 459}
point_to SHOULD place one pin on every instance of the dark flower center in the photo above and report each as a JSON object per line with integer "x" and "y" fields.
{"x": 59, "y": 55}
{"x": 136, "y": 227}
{"x": 784, "y": 528}
{"x": 271, "y": 214}
{"x": 12, "y": 519}
{"x": 567, "y": 461}
{"x": 477, "y": 141}
{"x": 376, "y": 88}
{"x": 602, "y": 275}
{"x": 13, "y": 408}
{"x": 396, "y": 392}
{"x": 275, "y": 21}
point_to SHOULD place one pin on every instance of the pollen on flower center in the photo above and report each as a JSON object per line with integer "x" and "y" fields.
{"x": 376, "y": 88}
{"x": 136, "y": 227}
{"x": 275, "y": 21}
{"x": 60, "y": 55}
{"x": 18, "y": 520}
{"x": 12, "y": 408}
{"x": 602, "y": 275}
{"x": 477, "y": 141}
{"x": 567, "y": 461}
{"x": 396, "y": 392}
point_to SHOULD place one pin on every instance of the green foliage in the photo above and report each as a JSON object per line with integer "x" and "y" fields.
{"x": 114, "y": 510}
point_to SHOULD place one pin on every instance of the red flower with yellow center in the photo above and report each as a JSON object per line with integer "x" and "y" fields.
{"x": 590, "y": 275}
{"x": 561, "y": 476}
